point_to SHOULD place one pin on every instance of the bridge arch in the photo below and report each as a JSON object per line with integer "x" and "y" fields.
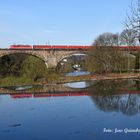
{"x": 30, "y": 53}
{"x": 64, "y": 58}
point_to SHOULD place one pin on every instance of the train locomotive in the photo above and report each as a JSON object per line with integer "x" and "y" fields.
{"x": 21, "y": 47}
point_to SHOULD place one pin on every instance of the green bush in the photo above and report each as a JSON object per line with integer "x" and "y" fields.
{"x": 33, "y": 68}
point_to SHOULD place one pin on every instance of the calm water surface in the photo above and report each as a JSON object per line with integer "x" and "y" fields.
{"x": 72, "y": 114}
{"x": 77, "y": 73}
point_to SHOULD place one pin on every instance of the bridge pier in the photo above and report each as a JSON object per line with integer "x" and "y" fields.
{"x": 51, "y": 62}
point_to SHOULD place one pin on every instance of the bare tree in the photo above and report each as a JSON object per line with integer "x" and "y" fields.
{"x": 131, "y": 34}
{"x": 104, "y": 55}
{"x": 127, "y": 37}
{"x": 107, "y": 39}
{"x": 132, "y": 23}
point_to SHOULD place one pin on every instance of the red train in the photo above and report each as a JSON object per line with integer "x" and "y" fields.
{"x": 66, "y": 47}
{"x": 55, "y": 47}
{"x": 131, "y": 48}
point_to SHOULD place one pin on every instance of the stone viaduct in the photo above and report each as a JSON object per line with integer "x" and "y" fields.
{"x": 50, "y": 57}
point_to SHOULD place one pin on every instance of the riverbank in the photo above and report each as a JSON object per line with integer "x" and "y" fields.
{"x": 109, "y": 76}
{"x": 67, "y": 79}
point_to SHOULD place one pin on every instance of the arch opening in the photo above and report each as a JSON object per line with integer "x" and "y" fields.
{"x": 72, "y": 62}
{"x": 22, "y": 65}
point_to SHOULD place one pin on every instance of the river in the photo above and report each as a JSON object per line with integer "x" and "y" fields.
{"x": 95, "y": 110}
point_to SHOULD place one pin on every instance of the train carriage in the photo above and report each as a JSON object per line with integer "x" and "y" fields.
{"x": 44, "y": 47}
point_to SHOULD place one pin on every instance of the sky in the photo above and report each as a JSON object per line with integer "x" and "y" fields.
{"x": 59, "y": 22}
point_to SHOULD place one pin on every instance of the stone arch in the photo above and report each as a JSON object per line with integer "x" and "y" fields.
{"x": 69, "y": 55}
{"x": 6, "y": 53}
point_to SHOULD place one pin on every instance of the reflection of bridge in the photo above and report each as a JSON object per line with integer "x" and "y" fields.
{"x": 53, "y": 56}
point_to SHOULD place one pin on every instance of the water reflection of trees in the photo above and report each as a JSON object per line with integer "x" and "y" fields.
{"x": 111, "y": 96}
{"x": 127, "y": 104}
{"x": 107, "y": 87}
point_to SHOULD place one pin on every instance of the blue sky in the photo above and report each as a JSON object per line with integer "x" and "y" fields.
{"x": 70, "y": 22}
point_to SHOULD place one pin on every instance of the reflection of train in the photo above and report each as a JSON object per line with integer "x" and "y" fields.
{"x": 47, "y": 47}
{"x": 30, "y": 95}
{"x": 61, "y": 94}
{"x": 66, "y": 47}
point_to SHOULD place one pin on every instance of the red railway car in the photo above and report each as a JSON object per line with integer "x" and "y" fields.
{"x": 42, "y": 47}
{"x": 79, "y": 47}
{"x": 57, "y": 47}
{"x": 60, "y": 47}
{"x": 136, "y": 48}
{"x": 21, "y": 47}
{"x": 123, "y": 47}
{"x": 131, "y": 48}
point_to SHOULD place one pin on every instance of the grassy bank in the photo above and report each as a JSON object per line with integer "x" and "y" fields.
{"x": 14, "y": 81}
{"x": 109, "y": 76}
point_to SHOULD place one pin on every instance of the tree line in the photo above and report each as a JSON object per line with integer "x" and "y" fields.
{"x": 105, "y": 57}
